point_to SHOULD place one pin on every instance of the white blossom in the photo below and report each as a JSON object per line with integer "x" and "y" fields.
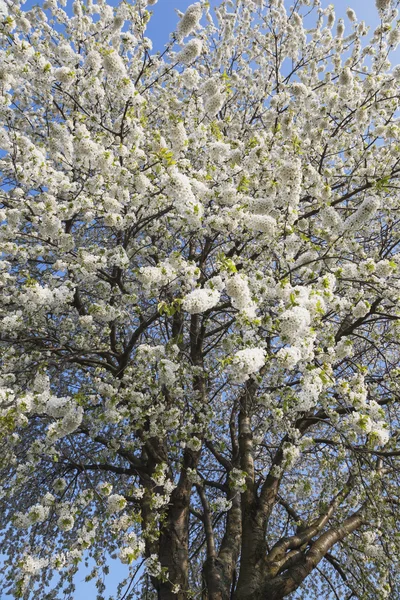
{"x": 383, "y": 5}
{"x": 115, "y": 503}
{"x": 237, "y": 288}
{"x": 190, "y": 51}
{"x": 294, "y": 322}
{"x": 190, "y": 20}
{"x": 66, "y": 521}
{"x": 200, "y": 300}
{"x": 289, "y": 356}
{"x": 246, "y": 362}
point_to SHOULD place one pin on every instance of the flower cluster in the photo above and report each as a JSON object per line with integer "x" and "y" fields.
{"x": 246, "y": 362}
{"x": 295, "y": 322}
{"x": 190, "y": 20}
{"x": 115, "y": 503}
{"x": 238, "y": 289}
{"x": 190, "y": 51}
{"x": 200, "y": 300}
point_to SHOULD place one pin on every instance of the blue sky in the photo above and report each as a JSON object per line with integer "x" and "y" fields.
{"x": 162, "y": 24}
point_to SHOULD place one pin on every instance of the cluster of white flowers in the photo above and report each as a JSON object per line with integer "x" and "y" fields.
{"x": 214, "y": 104}
{"x": 394, "y": 37}
{"x": 222, "y": 504}
{"x": 190, "y": 78}
{"x": 70, "y": 422}
{"x": 66, "y": 520}
{"x": 190, "y": 51}
{"x": 48, "y": 499}
{"x": 200, "y": 300}
{"x": 260, "y": 206}
{"x": 59, "y": 485}
{"x": 237, "y": 479}
{"x": 361, "y": 309}
{"x": 117, "y": 257}
{"x": 153, "y": 566}
{"x": 299, "y": 90}
{"x": 32, "y": 564}
{"x": 37, "y": 514}
{"x": 332, "y": 220}
{"x": 289, "y": 356}
{"x": 291, "y": 454}
{"x": 11, "y": 323}
{"x": 85, "y": 148}
{"x": 93, "y": 60}
{"x": 364, "y": 213}
{"x": 219, "y": 151}
{"x": 344, "y": 348}
{"x": 113, "y": 64}
{"x": 57, "y": 407}
{"x": 237, "y": 288}
{"x": 178, "y": 137}
{"x": 194, "y": 443}
{"x": 158, "y": 276}
{"x": 264, "y": 223}
{"x": 147, "y": 353}
{"x": 246, "y": 362}
{"x": 290, "y": 176}
{"x": 167, "y": 372}
{"x": 190, "y": 20}
{"x": 115, "y": 503}
{"x": 371, "y": 421}
{"x": 130, "y": 553}
{"x": 295, "y": 322}
{"x": 211, "y": 86}
{"x": 160, "y": 474}
{"x": 370, "y": 544}
{"x": 187, "y": 205}
{"x": 311, "y": 387}
{"x": 383, "y": 5}
{"x": 346, "y": 82}
{"x": 214, "y": 97}
{"x": 173, "y": 273}
{"x": 37, "y": 296}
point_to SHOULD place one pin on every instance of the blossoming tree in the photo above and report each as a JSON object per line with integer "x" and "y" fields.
{"x": 199, "y": 333}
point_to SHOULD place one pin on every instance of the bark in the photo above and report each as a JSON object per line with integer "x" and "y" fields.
{"x": 300, "y": 564}
{"x": 173, "y": 548}
{"x": 254, "y": 520}
{"x": 174, "y": 535}
{"x": 218, "y": 585}
{"x": 219, "y": 570}
{"x": 256, "y": 509}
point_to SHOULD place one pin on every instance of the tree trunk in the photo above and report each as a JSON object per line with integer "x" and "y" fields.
{"x": 174, "y": 553}
{"x": 218, "y": 580}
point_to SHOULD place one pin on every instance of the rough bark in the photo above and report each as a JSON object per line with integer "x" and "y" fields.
{"x": 253, "y": 548}
{"x": 220, "y": 570}
{"x": 173, "y": 548}
{"x": 300, "y": 564}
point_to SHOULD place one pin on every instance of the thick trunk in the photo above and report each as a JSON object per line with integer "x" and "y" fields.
{"x": 254, "y": 519}
{"x": 263, "y": 593}
{"x": 219, "y": 570}
{"x": 288, "y": 582}
{"x": 173, "y": 549}
{"x": 219, "y": 580}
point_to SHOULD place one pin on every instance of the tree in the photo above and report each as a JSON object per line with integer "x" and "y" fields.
{"x": 200, "y": 301}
